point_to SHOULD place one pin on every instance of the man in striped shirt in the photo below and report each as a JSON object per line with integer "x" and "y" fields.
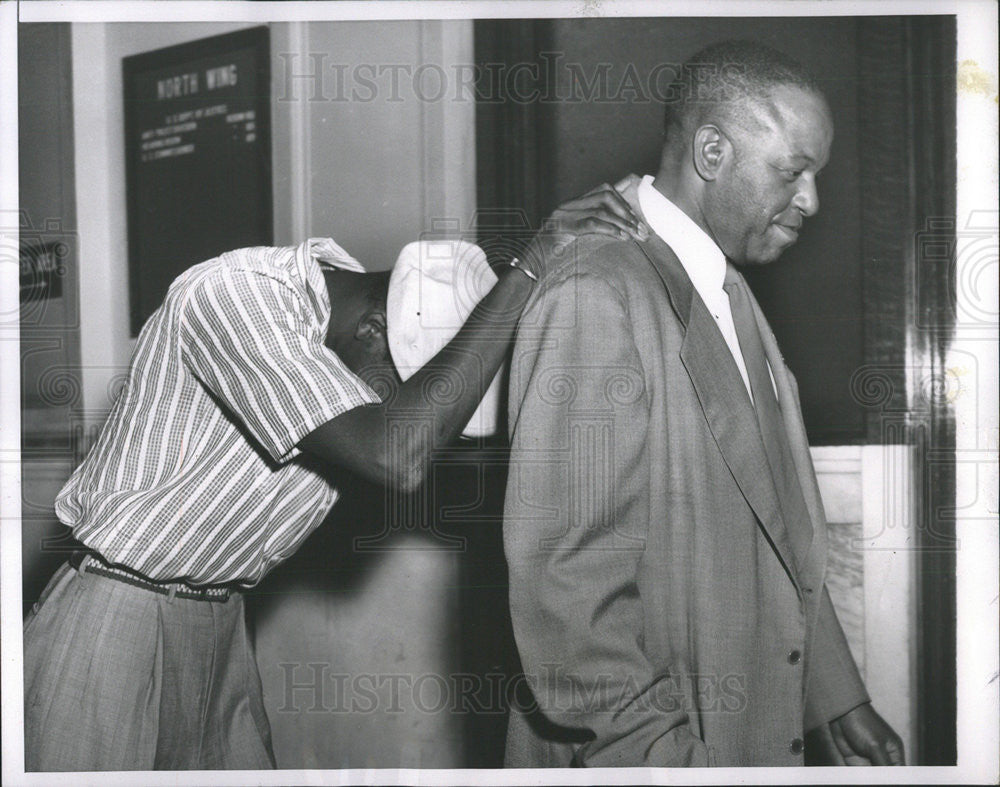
{"x": 254, "y": 382}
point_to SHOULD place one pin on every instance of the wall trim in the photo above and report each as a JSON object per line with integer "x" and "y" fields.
{"x": 448, "y": 133}
{"x": 889, "y": 552}
{"x": 884, "y": 478}
{"x": 301, "y": 148}
{"x": 97, "y": 125}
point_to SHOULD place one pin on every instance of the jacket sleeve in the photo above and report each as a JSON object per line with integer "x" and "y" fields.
{"x": 834, "y": 684}
{"x": 575, "y": 525}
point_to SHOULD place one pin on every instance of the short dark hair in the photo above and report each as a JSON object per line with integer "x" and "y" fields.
{"x": 375, "y": 288}
{"x": 721, "y": 78}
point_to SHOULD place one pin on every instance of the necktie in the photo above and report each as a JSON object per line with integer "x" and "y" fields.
{"x": 772, "y": 430}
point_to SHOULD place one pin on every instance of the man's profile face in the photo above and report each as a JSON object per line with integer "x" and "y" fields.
{"x": 757, "y": 205}
{"x": 357, "y": 332}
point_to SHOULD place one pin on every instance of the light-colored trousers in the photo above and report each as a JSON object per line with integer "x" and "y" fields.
{"x": 121, "y": 678}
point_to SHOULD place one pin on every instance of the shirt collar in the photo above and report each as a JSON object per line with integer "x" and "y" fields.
{"x": 702, "y": 259}
{"x": 311, "y": 258}
{"x": 330, "y": 255}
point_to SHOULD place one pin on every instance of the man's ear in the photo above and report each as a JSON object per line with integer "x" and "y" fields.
{"x": 711, "y": 149}
{"x": 372, "y": 325}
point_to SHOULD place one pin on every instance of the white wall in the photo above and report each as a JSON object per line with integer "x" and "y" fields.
{"x": 382, "y": 170}
{"x": 871, "y": 570}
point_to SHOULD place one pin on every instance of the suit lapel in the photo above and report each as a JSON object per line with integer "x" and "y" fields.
{"x": 723, "y": 398}
{"x": 791, "y": 413}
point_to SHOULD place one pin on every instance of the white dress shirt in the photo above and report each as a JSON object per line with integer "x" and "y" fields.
{"x": 703, "y": 261}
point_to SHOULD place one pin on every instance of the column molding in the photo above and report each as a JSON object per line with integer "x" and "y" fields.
{"x": 890, "y": 562}
{"x": 448, "y": 129}
{"x": 291, "y": 141}
{"x": 97, "y": 124}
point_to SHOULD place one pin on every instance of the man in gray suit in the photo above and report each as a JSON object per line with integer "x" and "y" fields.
{"x": 663, "y": 527}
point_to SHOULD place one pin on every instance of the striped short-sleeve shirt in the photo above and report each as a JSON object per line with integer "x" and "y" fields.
{"x": 196, "y": 475}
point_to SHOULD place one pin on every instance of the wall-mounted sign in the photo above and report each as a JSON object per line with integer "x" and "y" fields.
{"x": 198, "y": 158}
{"x": 43, "y": 266}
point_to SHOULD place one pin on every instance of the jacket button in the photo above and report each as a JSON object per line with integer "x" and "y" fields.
{"x": 797, "y": 746}
{"x": 795, "y": 657}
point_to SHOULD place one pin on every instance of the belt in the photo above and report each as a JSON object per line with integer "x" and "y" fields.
{"x": 92, "y": 563}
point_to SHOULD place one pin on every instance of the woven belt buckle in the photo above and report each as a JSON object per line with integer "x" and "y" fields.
{"x": 200, "y": 594}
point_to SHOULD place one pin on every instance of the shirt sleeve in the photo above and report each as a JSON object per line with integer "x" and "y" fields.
{"x": 252, "y": 342}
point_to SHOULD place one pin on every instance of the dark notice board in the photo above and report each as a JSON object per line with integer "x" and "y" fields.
{"x": 198, "y": 158}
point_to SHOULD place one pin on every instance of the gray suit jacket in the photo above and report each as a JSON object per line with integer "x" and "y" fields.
{"x": 658, "y": 613}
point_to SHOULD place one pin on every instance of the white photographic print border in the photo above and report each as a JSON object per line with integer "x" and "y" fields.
{"x": 978, "y": 708}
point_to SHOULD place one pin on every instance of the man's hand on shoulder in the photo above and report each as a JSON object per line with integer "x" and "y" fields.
{"x": 601, "y": 211}
{"x": 859, "y": 737}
